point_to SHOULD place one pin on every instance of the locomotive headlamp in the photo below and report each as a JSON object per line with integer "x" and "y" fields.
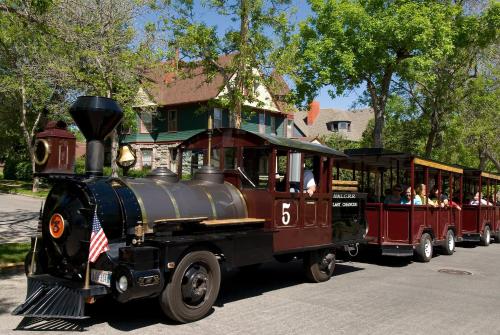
{"x": 126, "y": 156}
{"x": 122, "y": 284}
{"x": 42, "y": 151}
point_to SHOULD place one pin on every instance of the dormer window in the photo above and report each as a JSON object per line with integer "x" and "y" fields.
{"x": 337, "y": 126}
{"x": 145, "y": 122}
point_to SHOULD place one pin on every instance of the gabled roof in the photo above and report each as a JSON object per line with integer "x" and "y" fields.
{"x": 168, "y": 88}
{"x": 359, "y": 121}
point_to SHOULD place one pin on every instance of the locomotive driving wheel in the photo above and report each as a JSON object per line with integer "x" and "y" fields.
{"x": 319, "y": 265}
{"x": 193, "y": 288}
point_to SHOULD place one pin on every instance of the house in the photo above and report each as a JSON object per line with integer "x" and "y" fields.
{"x": 174, "y": 108}
{"x": 318, "y": 122}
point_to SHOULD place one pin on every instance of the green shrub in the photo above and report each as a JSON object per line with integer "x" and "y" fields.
{"x": 80, "y": 165}
{"x": 80, "y": 169}
{"x": 17, "y": 170}
{"x": 9, "y": 170}
{"x": 139, "y": 173}
{"x": 24, "y": 171}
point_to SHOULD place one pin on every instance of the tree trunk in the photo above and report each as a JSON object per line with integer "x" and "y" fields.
{"x": 482, "y": 158}
{"x": 378, "y": 138}
{"x": 378, "y": 103}
{"x": 241, "y": 76}
{"x": 114, "y": 141}
{"x": 114, "y": 150}
{"x": 431, "y": 138}
{"x": 237, "y": 115}
{"x": 492, "y": 158}
{"x": 27, "y": 136}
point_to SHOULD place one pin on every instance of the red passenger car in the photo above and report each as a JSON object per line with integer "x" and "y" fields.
{"x": 481, "y": 210}
{"x": 418, "y": 223}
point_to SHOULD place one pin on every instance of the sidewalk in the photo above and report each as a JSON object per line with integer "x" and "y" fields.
{"x": 18, "y": 217}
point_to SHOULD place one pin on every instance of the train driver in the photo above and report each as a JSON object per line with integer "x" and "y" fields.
{"x": 309, "y": 183}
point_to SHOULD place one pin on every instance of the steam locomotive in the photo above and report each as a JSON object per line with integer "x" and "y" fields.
{"x": 169, "y": 238}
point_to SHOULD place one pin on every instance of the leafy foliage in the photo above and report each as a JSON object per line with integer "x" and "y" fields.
{"x": 256, "y": 45}
{"x": 350, "y": 43}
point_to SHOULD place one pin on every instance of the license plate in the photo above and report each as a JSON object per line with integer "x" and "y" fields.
{"x": 100, "y": 277}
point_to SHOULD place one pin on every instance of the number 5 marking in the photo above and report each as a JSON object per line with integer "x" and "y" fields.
{"x": 285, "y": 216}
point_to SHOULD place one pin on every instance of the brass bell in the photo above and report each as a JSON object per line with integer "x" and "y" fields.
{"x": 126, "y": 156}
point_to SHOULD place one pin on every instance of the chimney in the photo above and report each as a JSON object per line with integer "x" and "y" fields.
{"x": 96, "y": 117}
{"x": 313, "y": 112}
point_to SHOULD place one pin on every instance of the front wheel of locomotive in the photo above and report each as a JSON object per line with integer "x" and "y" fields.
{"x": 319, "y": 265}
{"x": 193, "y": 287}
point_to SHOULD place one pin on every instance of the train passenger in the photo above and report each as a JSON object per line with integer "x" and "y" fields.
{"x": 475, "y": 201}
{"x": 395, "y": 196}
{"x": 421, "y": 191}
{"x": 438, "y": 199}
{"x": 406, "y": 199}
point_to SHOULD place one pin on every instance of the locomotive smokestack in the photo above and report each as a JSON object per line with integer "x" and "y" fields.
{"x": 96, "y": 117}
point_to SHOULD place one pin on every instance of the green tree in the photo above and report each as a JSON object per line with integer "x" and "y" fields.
{"x": 350, "y": 43}
{"x": 256, "y": 42}
{"x": 101, "y": 58}
{"x": 28, "y": 57}
{"x": 439, "y": 91}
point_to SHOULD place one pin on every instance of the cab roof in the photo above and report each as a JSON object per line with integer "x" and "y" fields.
{"x": 259, "y": 139}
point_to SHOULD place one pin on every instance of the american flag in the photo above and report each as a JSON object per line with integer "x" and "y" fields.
{"x": 98, "y": 240}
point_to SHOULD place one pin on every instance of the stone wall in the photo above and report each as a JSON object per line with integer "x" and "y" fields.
{"x": 161, "y": 155}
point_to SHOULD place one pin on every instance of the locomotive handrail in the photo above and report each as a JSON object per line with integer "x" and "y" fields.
{"x": 232, "y": 221}
{"x": 173, "y": 220}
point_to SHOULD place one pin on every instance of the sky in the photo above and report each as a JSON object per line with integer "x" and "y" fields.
{"x": 302, "y": 12}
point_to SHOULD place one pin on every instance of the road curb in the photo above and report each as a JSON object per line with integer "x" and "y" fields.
{"x": 12, "y": 268}
{"x": 23, "y": 195}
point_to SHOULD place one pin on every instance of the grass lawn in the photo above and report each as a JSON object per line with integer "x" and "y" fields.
{"x": 21, "y": 187}
{"x": 13, "y": 252}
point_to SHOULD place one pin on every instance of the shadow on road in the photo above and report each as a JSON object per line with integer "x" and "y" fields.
{"x": 236, "y": 285}
{"x": 377, "y": 259}
{"x": 17, "y": 225}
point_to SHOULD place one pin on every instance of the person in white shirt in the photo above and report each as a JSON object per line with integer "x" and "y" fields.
{"x": 309, "y": 183}
{"x": 475, "y": 201}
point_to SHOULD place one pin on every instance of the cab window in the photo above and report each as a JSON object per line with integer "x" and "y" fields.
{"x": 254, "y": 169}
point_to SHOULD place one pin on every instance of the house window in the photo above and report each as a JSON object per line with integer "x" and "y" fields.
{"x": 145, "y": 122}
{"x": 289, "y": 128}
{"x": 217, "y": 118}
{"x": 262, "y": 123}
{"x": 273, "y": 125}
{"x": 147, "y": 157}
{"x": 336, "y": 126}
{"x": 172, "y": 120}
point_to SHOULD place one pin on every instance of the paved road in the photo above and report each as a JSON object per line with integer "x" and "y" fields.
{"x": 18, "y": 217}
{"x": 376, "y": 297}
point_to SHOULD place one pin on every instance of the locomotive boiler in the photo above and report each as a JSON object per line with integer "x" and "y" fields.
{"x": 168, "y": 237}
